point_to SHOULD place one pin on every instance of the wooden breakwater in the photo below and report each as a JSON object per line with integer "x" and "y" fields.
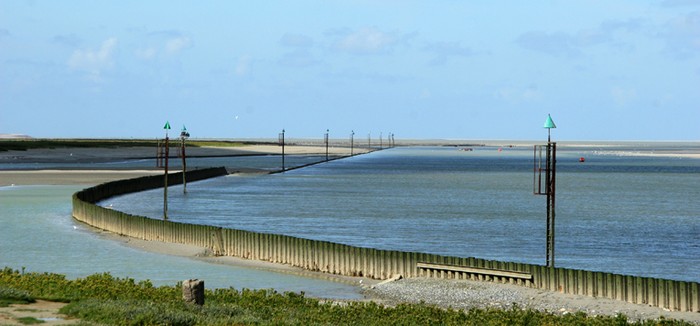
{"x": 349, "y": 260}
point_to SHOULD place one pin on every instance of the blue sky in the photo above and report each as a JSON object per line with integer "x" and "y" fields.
{"x": 605, "y": 70}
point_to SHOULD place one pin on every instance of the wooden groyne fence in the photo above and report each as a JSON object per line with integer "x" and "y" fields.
{"x": 349, "y": 260}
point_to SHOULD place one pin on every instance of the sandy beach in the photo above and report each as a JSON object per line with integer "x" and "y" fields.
{"x": 458, "y": 294}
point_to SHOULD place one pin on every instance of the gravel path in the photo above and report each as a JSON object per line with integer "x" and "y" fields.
{"x": 465, "y": 294}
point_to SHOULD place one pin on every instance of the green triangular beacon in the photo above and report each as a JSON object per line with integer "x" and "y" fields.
{"x": 549, "y": 124}
{"x": 167, "y": 125}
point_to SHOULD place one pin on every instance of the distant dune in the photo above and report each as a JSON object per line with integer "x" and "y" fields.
{"x": 14, "y": 136}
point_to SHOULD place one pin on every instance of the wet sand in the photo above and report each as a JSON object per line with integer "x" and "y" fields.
{"x": 67, "y": 177}
{"x": 72, "y": 176}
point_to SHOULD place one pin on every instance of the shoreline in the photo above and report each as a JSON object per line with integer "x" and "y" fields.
{"x": 202, "y": 254}
{"x": 648, "y": 154}
{"x": 11, "y": 178}
{"x": 463, "y": 294}
{"x": 443, "y": 293}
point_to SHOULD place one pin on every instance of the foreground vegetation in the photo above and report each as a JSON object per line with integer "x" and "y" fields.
{"x": 25, "y": 144}
{"x": 104, "y": 299}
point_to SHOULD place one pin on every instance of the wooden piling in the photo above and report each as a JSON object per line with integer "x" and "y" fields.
{"x": 374, "y": 263}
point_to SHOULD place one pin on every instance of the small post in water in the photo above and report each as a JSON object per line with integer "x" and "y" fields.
{"x": 549, "y": 187}
{"x": 165, "y": 184}
{"x": 183, "y": 136}
{"x": 281, "y": 141}
{"x": 352, "y": 140}
{"x": 325, "y": 138}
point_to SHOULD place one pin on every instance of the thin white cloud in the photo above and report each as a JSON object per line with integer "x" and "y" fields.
{"x": 425, "y": 94}
{"x": 94, "y": 61}
{"x": 682, "y": 35}
{"x": 556, "y": 43}
{"x": 69, "y": 40}
{"x": 146, "y": 53}
{"x": 445, "y": 50}
{"x": 623, "y": 96}
{"x": 680, "y": 3}
{"x": 518, "y": 94}
{"x": 299, "y": 58}
{"x": 611, "y": 33}
{"x": 368, "y": 40}
{"x": 634, "y": 25}
{"x": 177, "y": 44}
{"x": 243, "y": 65}
{"x": 296, "y": 40}
{"x": 163, "y": 44}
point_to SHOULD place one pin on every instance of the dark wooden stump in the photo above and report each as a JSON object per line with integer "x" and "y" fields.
{"x": 193, "y": 291}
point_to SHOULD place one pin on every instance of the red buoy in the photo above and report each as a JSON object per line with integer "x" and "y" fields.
{"x": 582, "y": 159}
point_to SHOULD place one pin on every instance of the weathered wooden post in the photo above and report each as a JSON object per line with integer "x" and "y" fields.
{"x": 193, "y": 291}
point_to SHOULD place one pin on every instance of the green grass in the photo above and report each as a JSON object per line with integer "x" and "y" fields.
{"x": 25, "y": 144}
{"x": 104, "y": 299}
{"x": 29, "y": 321}
{"x": 10, "y": 296}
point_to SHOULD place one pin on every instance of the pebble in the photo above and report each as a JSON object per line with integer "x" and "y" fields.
{"x": 448, "y": 293}
{"x": 467, "y": 294}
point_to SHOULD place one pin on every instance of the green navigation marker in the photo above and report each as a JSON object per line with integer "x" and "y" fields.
{"x": 549, "y": 124}
{"x": 167, "y": 125}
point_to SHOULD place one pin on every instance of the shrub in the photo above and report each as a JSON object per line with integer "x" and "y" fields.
{"x": 104, "y": 299}
{"x": 9, "y": 296}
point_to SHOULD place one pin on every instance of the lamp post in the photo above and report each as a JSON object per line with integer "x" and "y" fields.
{"x": 281, "y": 140}
{"x": 325, "y": 138}
{"x": 165, "y": 184}
{"x": 183, "y": 136}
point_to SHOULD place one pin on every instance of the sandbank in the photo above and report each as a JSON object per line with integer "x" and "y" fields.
{"x": 67, "y": 177}
{"x": 649, "y": 154}
{"x": 91, "y": 176}
{"x": 97, "y": 155}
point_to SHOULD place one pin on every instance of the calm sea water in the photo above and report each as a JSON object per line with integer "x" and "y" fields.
{"x": 38, "y": 233}
{"x": 615, "y": 213}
